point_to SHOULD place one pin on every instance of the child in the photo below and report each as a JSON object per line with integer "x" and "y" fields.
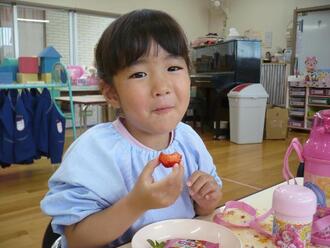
{"x": 110, "y": 183}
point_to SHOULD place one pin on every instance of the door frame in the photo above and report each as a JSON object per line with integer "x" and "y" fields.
{"x": 295, "y": 17}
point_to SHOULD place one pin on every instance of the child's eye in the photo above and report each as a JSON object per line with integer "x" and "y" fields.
{"x": 138, "y": 75}
{"x": 174, "y": 68}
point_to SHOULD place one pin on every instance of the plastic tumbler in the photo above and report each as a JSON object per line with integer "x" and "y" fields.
{"x": 294, "y": 207}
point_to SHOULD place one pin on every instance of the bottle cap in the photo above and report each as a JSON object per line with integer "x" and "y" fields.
{"x": 294, "y": 200}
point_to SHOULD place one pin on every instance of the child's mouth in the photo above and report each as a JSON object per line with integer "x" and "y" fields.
{"x": 163, "y": 110}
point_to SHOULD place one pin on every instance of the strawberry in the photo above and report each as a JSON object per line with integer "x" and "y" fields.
{"x": 169, "y": 160}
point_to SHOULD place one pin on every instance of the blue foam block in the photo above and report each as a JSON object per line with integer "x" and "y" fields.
{"x": 9, "y": 68}
{"x": 6, "y": 78}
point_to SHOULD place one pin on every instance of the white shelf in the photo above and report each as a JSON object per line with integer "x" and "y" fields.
{"x": 321, "y": 96}
{"x": 319, "y": 105}
{"x": 306, "y": 118}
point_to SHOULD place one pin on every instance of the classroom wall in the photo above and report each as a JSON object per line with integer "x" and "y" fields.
{"x": 191, "y": 14}
{"x": 197, "y": 18}
{"x": 267, "y": 16}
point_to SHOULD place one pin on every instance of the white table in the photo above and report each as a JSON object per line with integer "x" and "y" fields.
{"x": 83, "y": 88}
{"x": 261, "y": 200}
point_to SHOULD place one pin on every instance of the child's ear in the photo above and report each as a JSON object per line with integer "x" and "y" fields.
{"x": 110, "y": 94}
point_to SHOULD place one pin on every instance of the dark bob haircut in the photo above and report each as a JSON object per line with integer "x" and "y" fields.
{"x": 129, "y": 37}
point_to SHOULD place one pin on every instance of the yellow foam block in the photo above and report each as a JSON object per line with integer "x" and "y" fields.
{"x": 26, "y": 77}
{"x": 46, "y": 77}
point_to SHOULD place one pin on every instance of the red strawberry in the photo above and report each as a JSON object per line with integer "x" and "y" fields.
{"x": 169, "y": 160}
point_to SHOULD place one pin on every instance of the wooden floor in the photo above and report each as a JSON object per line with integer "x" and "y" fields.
{"x": 245, "y": 169}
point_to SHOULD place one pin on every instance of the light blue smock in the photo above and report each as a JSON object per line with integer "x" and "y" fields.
{"x": 102, "y": 166}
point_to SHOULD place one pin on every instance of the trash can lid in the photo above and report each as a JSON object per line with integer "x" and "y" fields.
{"x": 248, "y": 90}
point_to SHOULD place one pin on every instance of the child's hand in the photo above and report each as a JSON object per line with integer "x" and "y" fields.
{"x": 149, "y": 194}
{"x": 205, "y": 191}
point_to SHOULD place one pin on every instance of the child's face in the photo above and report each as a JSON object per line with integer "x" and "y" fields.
{"x": 153, "y": 93}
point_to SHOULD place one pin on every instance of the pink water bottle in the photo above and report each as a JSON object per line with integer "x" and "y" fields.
{"x": 316, "y": 154}
{"x": 294, "y": 207}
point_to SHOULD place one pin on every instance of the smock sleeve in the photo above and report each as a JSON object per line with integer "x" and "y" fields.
{"x": 199, "y": 158}
{"x": 88, "y": 181}
{"x": 206, "y": 164}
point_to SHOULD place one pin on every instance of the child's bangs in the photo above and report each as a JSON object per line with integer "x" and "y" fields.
{"x": 139, "y": 42}
{"x": 131, "y": 36}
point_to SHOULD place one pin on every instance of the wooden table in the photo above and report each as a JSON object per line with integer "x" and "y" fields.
{"x": 84, "y": 102}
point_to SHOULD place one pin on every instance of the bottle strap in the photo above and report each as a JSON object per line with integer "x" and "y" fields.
{"x": 295, "y": 144}
{"x": 254, "y": 223}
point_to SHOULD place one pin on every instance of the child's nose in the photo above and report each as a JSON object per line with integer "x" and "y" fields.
{"x": 162, "y": 91}
{"x": 161, "y": 86}
{"x": 161, "y": 94}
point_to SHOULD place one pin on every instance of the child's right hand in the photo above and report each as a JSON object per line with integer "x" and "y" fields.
{"x": 148, "y": 194}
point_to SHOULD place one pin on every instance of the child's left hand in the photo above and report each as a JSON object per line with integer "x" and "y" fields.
{"x": 205, "y": 191}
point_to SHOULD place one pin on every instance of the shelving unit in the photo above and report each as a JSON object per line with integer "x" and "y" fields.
{"x": 304, "y": 99}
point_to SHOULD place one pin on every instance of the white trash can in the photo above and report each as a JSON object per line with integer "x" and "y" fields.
{"x": 247, "y": 106}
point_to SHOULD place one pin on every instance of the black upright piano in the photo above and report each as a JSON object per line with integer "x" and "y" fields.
{"x": 221, "y": 67}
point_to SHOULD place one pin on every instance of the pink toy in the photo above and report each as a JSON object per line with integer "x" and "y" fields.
{"x": 92, "y": 78}
{"x": 310, "y": 63}
{"x": 76, "y": 71}
{"x": 89, "y": 77}
{"x": 316, "y": 158}
{"x": 28, "y": 65}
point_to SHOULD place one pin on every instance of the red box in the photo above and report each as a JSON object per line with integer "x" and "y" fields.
{"x": 28, "y": 64}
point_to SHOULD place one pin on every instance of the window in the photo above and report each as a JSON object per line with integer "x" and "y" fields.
{"x": 6, "y": 32}
{"x": 31, "y": 31}
{"x": 6, "y": 36}
{"x": 57, "y": 33}
{"x": 89, "y": 31}
{"x": 73, "y": 35}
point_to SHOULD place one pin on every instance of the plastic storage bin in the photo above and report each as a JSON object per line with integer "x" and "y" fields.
{"x": 247, "y": 106}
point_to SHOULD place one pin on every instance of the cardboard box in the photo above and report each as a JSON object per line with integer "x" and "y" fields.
{"x": 276, "y": 126}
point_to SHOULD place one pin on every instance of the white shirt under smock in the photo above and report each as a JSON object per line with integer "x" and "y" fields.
{"x": 102, "y": 166}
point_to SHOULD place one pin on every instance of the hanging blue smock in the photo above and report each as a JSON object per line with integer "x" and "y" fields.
{"x": 24, "y": 147}
{"x": 49, "y": 128}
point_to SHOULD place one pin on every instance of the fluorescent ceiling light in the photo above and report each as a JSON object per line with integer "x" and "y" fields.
{"x": 32, "y": 20}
